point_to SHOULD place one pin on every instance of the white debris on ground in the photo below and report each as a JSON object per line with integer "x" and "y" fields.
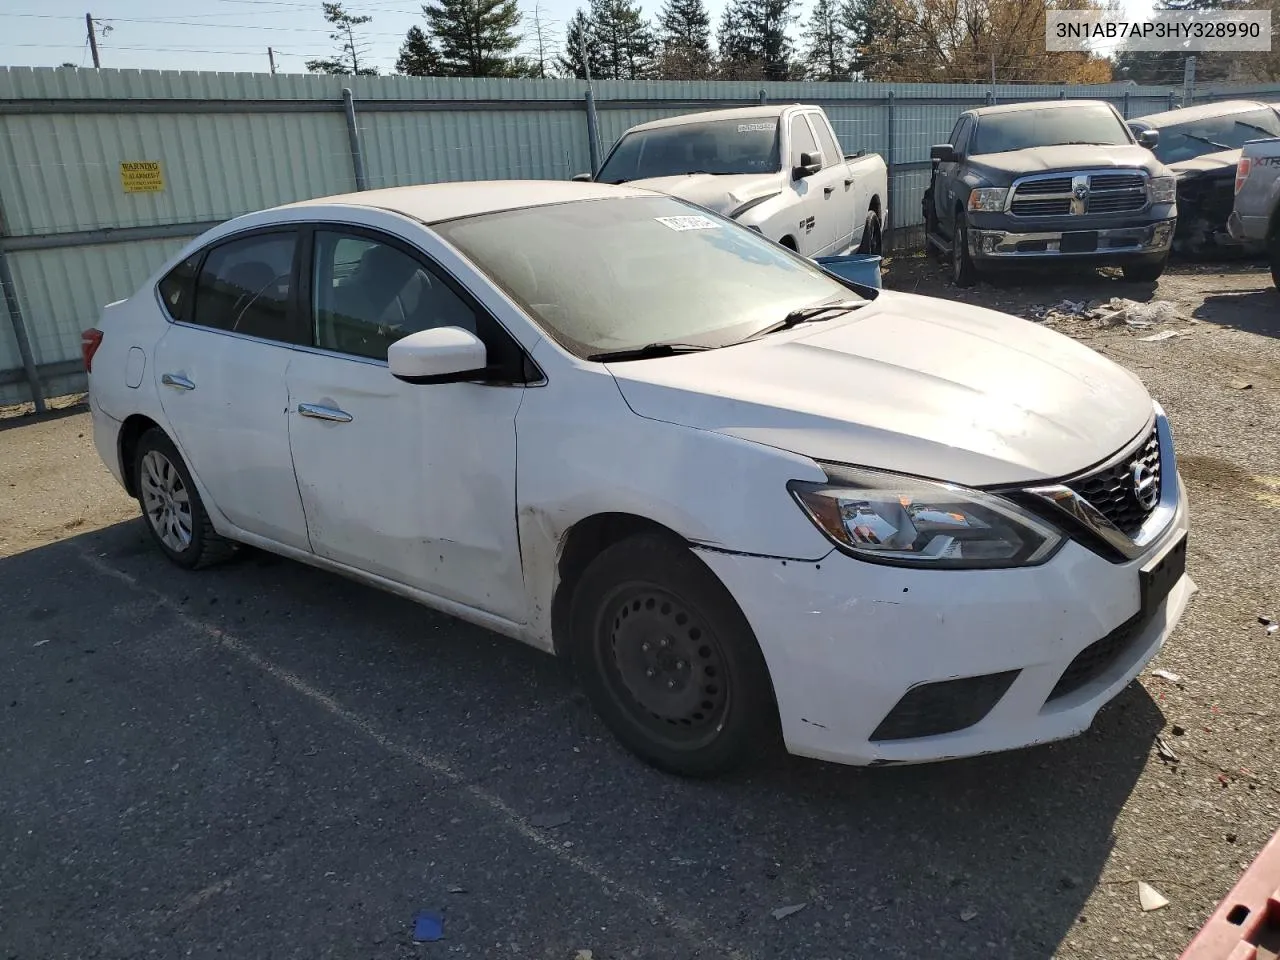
{"x": 1116, "y": 312}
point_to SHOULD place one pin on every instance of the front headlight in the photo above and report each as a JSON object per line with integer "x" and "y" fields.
{"x": 988, "y": 199}
{"x": 739, "y": 211}
{"x": 888, "y": 518}
{"x": 1164, "y": 189}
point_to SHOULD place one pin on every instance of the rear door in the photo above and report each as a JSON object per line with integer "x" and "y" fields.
{"x": 221, "y": 369}
{"x": 841, "y": 209}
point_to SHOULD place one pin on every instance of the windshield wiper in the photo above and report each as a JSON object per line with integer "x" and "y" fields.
{"x": 821, "y": 311}
{"x": 648, "y": 351}
{"x": 1212, "y": 143}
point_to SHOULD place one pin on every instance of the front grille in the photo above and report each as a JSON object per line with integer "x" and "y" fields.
{"x": 932, "y": 709}
{"x": 1097, "y": 658}
{"x": 1101, "y": 192}
{"x": 1110, "y": 490}
{"x": 1050, "y": 207}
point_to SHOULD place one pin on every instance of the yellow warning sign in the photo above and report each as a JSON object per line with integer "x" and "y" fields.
{"x": 142, "y": 176}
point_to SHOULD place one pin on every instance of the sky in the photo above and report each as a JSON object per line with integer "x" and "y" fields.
{"x": 233, "y": 35}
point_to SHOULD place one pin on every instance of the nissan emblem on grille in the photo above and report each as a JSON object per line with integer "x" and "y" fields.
{"x": 1146, "y": 485}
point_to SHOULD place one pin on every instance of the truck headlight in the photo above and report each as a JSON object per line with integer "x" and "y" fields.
{"x": 988, "y": 199}
{"x": 904, "y": 521}
{"x": 1164, "y": 189}
{"x": 739, "y": 211}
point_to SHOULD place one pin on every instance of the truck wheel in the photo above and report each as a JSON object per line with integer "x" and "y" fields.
{"x": 1274, "y": 254}
{"x": 872, "y": 240}
{"x": 1145, "y": 272}
{"x": 963, "y": 272}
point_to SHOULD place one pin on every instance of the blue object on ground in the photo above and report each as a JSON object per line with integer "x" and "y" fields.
{"x": 428, "y": 927}
{"x": 863, "y": 268}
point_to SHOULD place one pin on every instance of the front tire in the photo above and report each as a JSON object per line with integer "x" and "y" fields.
{"x": 668, "y": 660}
{"x": 171, "y": 505}
{"x": 1145, "y": 272}
{"x": 1273, "y": 252}
{"x": 963, "y": 272}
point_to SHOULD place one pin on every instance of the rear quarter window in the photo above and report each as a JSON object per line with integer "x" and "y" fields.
{"x": 177, "y": 289}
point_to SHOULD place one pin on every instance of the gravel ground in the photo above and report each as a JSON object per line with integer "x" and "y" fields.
{"x": 264, "y": 760}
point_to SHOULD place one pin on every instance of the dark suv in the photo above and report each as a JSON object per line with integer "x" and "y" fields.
{"x": 1034, "y": 183}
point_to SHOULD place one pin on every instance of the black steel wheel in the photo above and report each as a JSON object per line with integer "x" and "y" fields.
{"x": 668, "y": 660}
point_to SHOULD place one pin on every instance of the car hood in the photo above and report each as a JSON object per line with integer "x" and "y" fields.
{"x": 1223, "y": 160}
{"x": 720, "y": 193}
{"x": 906, "y": 383}
{"x": 1002, "y": 168}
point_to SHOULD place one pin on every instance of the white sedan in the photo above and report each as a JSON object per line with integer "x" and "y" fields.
{"x": 746, "y": 498}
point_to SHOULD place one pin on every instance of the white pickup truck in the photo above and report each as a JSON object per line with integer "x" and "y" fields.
{"x": 1256, "y": 215}
{"x": 778, "y": 169}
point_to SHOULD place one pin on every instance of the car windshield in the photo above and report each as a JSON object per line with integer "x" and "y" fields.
{"x": 1195, "y": 138}
{"x": 601, "y": 276}
{"x": 749, "y": 145}
{"x": 1054, "y": 126}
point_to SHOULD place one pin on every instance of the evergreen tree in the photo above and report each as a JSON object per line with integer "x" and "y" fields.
{"x": 626, "y": 41}
{"x": 418, "y": 55}
{"x": 753, "y": 38}
{"x": 350, "y": 50}
{"x": 827, "y": 50}
{"x": 580, "y": 36}
{"x": 476, "y": 37}
{"x": 684, "y": 41}
{"x": 876, "y": 34}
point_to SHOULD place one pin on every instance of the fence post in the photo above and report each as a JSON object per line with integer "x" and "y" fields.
{"x": 20, "y": 331}
{"x": 1125, "y": 110}
{"x": 593, "y": 132}
{"x": 1173, "y": 100}
{"x": 764, "y": 98}
{"x": 353, "y": 137}
{"x": 888, "y": 162}
{"x": 1188, "y": 81}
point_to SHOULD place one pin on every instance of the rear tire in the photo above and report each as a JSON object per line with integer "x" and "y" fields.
{"x": 668, "y": 660}
{"x": 1145, "y": 272}
{"x": 872, "y": 239}
{"x": 171, "y": 506}
{"x": 1273, "y": 254}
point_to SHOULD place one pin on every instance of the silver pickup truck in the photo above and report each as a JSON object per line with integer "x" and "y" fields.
{"x": 1256, "y": 215}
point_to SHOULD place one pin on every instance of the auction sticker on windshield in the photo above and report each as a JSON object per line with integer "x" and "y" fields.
{"x": 687, "y": 223}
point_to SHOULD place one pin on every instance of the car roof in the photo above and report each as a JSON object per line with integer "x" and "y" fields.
{"x": 1201, "y": 112}
{"x": 770, "y": 111}
{"x": 1033, "y": 105}
{"x": 436, "y": 202}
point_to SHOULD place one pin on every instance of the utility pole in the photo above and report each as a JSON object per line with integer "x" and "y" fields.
{"x": 271, "y": 57}
{"x": 93, "y": 40}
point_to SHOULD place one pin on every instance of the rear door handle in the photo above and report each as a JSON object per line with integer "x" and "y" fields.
{"x": 849, "y": 183}
{"x": 176, "y": 380}
{"x": 318, "y": 412}
{"x": 827, "y": 191}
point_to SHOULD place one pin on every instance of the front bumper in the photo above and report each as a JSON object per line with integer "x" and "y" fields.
{"x": 1148, "y": 240}
{"x": 846, "y": 640}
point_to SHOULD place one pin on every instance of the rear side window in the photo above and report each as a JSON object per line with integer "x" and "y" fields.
{"x": 178, "y": 287}
{"x": 830, "y": 152}
{"x": 245, "y": 287}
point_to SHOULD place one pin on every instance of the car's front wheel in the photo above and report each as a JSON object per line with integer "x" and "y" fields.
{"x": 1273, "y": 248}
{"x": 1145, "y": 272}
{"x": 668, "y": 660}
{"x": 963, "y": 272}
{"x": 171, "y": 505}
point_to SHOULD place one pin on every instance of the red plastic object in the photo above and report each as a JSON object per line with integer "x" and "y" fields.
{"x": 1246, "y": 925}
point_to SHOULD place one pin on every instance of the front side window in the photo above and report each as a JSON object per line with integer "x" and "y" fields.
{"x": 178, "y": 288}
{"x": 749, "y": 145}
{"x": 367, "y": 295}
{"x": 604, "y": 275}
{"x": 1185, "y": 141}
{"x": 245, "y": 287}
{"x": 1050, "y": 127}
{"x": 801, "y": 139}
{"x": 831, "y": 154}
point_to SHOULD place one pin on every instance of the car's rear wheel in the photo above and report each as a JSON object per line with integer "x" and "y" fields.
{"x": 171, "y": 506}
{"x": 1273, "y": 248}
{"x": 1145, "y": 272}
{"x": 668, "y": 660}
{"x": 872, "y": 239}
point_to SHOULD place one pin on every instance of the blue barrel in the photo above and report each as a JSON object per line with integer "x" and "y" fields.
{"x": 863, "y": 268}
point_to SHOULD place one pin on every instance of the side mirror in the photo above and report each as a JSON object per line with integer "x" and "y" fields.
{"x": 581, "y": 178}
{"x": 943, "y": 153}
{"x": 438, "y": 355}
{"x": 1149, "y": 138}
{"x": 810, "y": 163}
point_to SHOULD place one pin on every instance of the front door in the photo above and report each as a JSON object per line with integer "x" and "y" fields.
{"x": 221, "y": 368}
{"x": 813, "y": 218}
{"x": 414, "y": 483}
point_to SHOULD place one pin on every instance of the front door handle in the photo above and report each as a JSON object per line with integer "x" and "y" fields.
{"x": 827, "y": 191}
{"x": 177, "y": 380}
{"x": 848, "y": 182}
{"x": 319, "y": 412}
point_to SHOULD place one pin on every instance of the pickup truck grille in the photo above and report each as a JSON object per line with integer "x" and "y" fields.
{"x": 1079, "y": 194}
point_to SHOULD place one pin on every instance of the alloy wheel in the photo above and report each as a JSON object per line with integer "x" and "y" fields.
{"x": 165, "y": 501}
